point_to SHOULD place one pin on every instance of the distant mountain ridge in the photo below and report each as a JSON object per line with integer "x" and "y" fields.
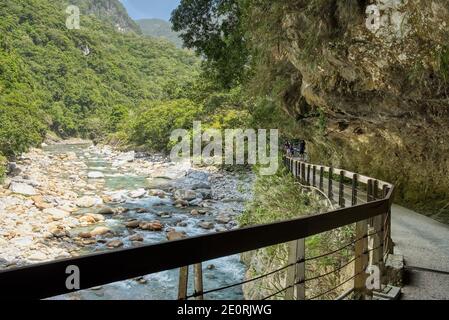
{"x": 159, "y": 28}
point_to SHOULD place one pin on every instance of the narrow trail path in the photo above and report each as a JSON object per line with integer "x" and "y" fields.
{"x": 424, "y": 243}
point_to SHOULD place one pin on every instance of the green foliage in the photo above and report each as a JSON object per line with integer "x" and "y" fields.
{"x": 154, "y": 126}
{"x": 3, "y": 163}
{"x": 214, "y": 29}
{"x": 20, "y": 128}
{"x": 278, "y": 197}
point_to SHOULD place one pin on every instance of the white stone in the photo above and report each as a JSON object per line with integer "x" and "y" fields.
{"x": 88, "y": 202}
{"x": 95, "y": 175}
{"x": 57, "y": 214}
{"x": 38, "y": 256}
{"x": 23, "y": 189}
{"x": 139, "y": 193}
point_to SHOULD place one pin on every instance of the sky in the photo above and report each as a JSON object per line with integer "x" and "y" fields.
{"x": 143, "y": 9}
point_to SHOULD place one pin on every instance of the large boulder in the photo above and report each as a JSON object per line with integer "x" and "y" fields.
{"x": 139, "y": 193}
{"x": 99, "y": 231}
{"x": 56, "y": 214}
{"x": 88, "y": 202}
{"x": 185, "y": 194}
{"x": 95, "y": 175}
{"x": 23, "y": 189}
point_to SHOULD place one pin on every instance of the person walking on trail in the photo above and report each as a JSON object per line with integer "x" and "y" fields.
{"x": 287, "y": 148}
{"x": 302, "y": 149}
{"x": 292, "y": 150}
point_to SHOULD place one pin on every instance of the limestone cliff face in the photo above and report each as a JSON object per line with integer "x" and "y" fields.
{"x": 378, "y": 74}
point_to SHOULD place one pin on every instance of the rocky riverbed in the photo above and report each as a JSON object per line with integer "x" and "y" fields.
{"x": 70, "y": 199}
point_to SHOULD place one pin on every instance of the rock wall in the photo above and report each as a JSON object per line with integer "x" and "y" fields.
{"x": 370, "y": 89}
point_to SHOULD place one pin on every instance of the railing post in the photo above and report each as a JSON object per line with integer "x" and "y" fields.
{"x": 297, "y": 169}
{"x": 322, "y": 179}
{"x": 198, "y": 271}
{"x": 296, "y": 274}
{"x": 308, "y": 174}
{"x": 354, "y": 189}
{"x": 388, "y": 242}
{"x": 314, "y": 176}
{"x": 341, "y": 193}
{"x": 376, "y": 189}
{"x": 378, "y": 243}
{"x": 369, "y": 197}
{"x": 183, "y": 283}
{"x": 329, "y": 187}
{"x": 361, "y": 259}
{"x": 303, "y": 172}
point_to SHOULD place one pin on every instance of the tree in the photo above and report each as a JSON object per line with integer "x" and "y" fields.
{"x": 213, "y": 28}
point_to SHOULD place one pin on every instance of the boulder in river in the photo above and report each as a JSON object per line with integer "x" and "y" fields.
{"x": 136, "y": 237}
{"x": 139, "y": 193}
{"x": 174, "y": 235}
{"x": 23, "y": 189}
{"x": 99, "y": 231}
{"x": 205, "y": 193}
{"x": 223, "y": 219}
{"x": 114, "y": 244}
{"x": 56, "y": 214}
{"x": 132, "y": 224}
{"x": 181, "y": 203}
{"x": 106, "y": 211}
{"x": 88, "y": 202}
{"x": 206, "y": 225}
{"x": 95, "y": 175}
{"x": 185, "y": 194}
{"x": 151, "y": 226}
{"x": 85, "y": 235}
{"x": 87, "y": 219}
{"x": 195, "y": 202}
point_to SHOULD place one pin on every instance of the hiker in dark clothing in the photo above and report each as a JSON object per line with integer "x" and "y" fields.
{"x": 302, "y": 148}
{"x": 292, "y": 150}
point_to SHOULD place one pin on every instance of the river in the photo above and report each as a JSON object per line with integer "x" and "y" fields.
{"x": 130, "y": 183}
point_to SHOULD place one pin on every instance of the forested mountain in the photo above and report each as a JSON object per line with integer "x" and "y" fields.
{"x": 78, "y": 82}
{"x": 159, "y": 28}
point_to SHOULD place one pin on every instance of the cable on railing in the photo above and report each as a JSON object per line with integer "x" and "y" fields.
{"x": 344, "y": 282}
{"x": 278, "y": 292}
{"x": 344, "y": 247}
{"x": 336, "y": 287}
{"x": 331, "y": 272}
{"x": 196, "y": 294}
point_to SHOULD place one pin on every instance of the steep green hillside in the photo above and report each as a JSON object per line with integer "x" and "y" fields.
{"x": 77, "y": 82}
{"x": 159, "y": 29}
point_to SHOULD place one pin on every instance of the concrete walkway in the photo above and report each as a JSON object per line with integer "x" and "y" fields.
{"x": 424, "y": 243}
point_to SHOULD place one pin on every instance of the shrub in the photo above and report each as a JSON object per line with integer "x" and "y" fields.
{"x": 2, "y": 167}
{"x": 154, "y": 126}
{"x": 20, "y": 128}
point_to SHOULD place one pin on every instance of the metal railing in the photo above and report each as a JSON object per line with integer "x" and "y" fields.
{"x": 372, "y": 225}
